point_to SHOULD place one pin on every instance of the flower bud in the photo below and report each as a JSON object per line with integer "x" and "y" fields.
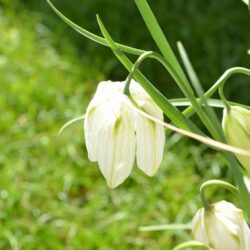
{"x": 222, "y": 227}
{"x": 115, "y": 133}
{"x": 236, "y": 126}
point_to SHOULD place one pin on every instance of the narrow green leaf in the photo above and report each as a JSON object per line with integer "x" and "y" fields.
{"x": 189, "y": 69}
{"x": 166, "y": 227}
{"x": 159, "y": 37}
{"x": 73, "y": 120}
{"x": 92, "y": 36}
{"x": 170, "y": 111}
{"x": 199, "y": 89}
{"x": 216, "y": 103}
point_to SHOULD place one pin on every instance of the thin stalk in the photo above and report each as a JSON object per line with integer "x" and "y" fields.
{"x": 225, "y": 76}
{"x": 218, "y": 183}
{"x": 198, "y": 88}
{"x": 223, "y": 98}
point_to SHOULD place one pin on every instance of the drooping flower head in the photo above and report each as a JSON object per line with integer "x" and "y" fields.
{"x": 236, "y": 126}
{"x": 116, "y": 134}
{"x": 221, "y": 228}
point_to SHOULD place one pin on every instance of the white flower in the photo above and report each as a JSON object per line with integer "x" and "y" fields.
{"x": 236, "y": 126}
{"x": 115, "y": 133}
{"x": 222, "y": 227}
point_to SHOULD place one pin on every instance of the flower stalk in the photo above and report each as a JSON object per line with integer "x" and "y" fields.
{"x": 218, "y": 183}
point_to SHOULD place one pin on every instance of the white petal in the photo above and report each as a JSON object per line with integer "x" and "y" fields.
{"x": 198, "y": 227}
{"x": 105, "y": 93}
{"x": 150, "y": 137}
{"x": 150, "y": 140}
{"x": 246, "y": 233}
{"x": 219, "y": 229}
{"x": 116, "y": 145}
{"x": 91, "y": 126}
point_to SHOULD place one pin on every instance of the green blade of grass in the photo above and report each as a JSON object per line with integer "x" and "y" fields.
{"x": 161, "y": 41}
{"x": 165, "y": 227}
{"x": 216, "y": 103}
{"x": 159, "y": 37}
{"x": 73, "y": 120}
{"x": 189, "y": 69}
{"x": 198, "y": 88}
{"x": 91, "y": 35}
{"x": 169, "y": 110}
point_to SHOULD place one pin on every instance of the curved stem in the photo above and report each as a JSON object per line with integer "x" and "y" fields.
{"x": 223, "y": 98}
{"x": 219, "y": 183}
{"x": 187, "y": 91}
{"x": 136, "y": 65}
{"x": 189, "y": 244}
{"x": 225, "y": 76}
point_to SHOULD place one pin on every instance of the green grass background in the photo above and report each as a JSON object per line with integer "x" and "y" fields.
{"x": 51, "y": 196}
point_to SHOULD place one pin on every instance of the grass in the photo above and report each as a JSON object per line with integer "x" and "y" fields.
{"x": 51, "y": 196}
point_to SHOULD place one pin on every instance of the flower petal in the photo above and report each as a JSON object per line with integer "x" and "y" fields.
{"x": 150, "y": 140}
{"x": 116, "y": 145}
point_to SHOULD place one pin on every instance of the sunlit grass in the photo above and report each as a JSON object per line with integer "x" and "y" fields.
{"x": 51, "y": 196}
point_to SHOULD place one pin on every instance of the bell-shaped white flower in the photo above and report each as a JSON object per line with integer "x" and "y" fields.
{"x": 236, "y": 126}
{"x": 221, "y": 228}
{"x": 115, "y": 133}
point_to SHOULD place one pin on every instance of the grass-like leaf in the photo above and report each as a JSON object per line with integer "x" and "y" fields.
{"x": 91, "y": 35}
{"x": 165, "y": 227}
{"x": 216, "y": 103}
{"x": 73, "y": 120}
{"x": 198, "y": 88}
{"x": 159, "y": 37}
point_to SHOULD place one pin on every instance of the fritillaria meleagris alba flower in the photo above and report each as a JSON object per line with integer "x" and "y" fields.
{"x": 116, "y": 134}
{"x": 222, "y": 227}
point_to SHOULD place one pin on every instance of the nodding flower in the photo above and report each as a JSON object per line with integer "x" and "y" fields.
{"x": 222, "y": 227}
{"x": 115, "y": 134}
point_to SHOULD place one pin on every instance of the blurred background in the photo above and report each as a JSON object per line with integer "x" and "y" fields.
{"x": 51, "y": 196}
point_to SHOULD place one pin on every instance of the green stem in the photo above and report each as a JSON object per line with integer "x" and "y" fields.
{"x": 226, "y": 75}
{"x": 198, "y": 88}
{"x": 219, "y": 183}
{"x": 222, "y": 96}
{"x": 192, "y": 244}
